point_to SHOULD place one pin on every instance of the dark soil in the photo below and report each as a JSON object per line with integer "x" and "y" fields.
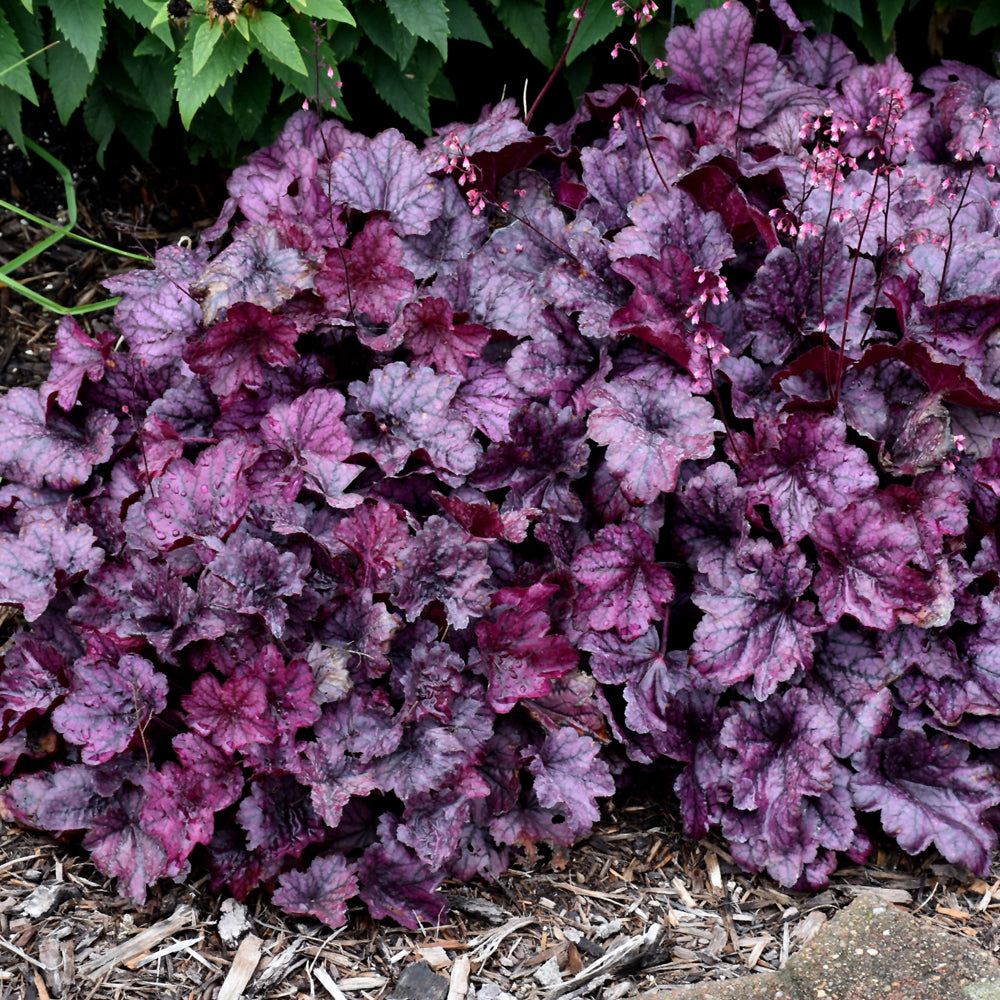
{"x": 128, "y": 205}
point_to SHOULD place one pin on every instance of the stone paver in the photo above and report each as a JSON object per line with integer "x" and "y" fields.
{"x": 869, "y": 951}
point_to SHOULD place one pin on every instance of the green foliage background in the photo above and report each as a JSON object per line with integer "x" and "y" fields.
{"x": 129, "y": 69}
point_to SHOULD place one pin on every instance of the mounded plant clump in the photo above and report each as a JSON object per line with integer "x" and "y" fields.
{"x": 439, "y": 489}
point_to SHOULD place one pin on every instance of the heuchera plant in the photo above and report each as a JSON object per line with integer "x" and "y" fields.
{"x": 438, "y": 487}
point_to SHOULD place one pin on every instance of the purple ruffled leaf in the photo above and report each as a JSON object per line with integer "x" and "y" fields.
{"x": 42, "y": 558}
{"x": 850, "y": 680}
{"x": 157, "y": 312}
{"x": 232, "y": 351}
{"x": 714, "y": 63}
{"x": 75, "y": 357}
{"x": 650, "y": 425}
{"x": 388, "y": 174}
{"x": 367, "y": 278}
{"x": 546, "y": 450}
{"x": 321, "y": 891}
{"x": 254, "y": 268}
{"x": 929, "y": 791}
{"x": 120, "y": 845}
{"x": 520, "y": 658}
{"x": 109, "y": 705}
{"x": 570, "y": 777}
{"x": 396, "y": 883}
{"x": 403, "y": 410}
{"x": 53, "y": 452}
{"x": 804, "y": 466}
{"x": 443, "y": 563}
{"x": 233, "y": 714}
{"x": 434, "y": 337}
{"x": 755, "y": 626}
{"x": 866, "y": 557}
{"x": 622, "y": 585}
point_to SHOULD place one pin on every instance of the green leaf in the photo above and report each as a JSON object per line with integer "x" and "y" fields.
{"x": 329, "y": 10}
{"x": 160, "y": 27}
{"x": 464, "y": 23}
{"x": 18, "y": 77}
{"x": 273, "y": 36}
{"x": 243, "y": 27}
{"x": 888, "y": 12}
{"x": 987, "y": 15}
{"x": 403, "y": 92}
{"x": 69, "y": 79}
{"x": 82, "y": 24}
{"x": 99, "y": 119}
{"x": 153, "y": 79}
{"x": 525, "y": 20}
{"x": 427, "y": 19}
{"x": 138, "y": 10}
{"x": 852, "y": 8}
{"x": 206, "y": 37}
{"x": 819, "y": 12}
{"x": 387, "y": 33}
{"x": 229, "y": 56}
{"x": 251, "y": 99}
{"x": 10, "y": 115}
{"x": 599, "y": 21}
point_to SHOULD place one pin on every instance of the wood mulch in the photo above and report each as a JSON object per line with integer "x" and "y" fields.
{"x": 634, "y": 908}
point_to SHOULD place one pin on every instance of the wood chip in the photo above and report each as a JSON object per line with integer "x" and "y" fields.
{"x": 458, "y": 985}
{"x": 245, "y": 962}
{"x": 614, "y": 959}
{"x": 139, "y": 944}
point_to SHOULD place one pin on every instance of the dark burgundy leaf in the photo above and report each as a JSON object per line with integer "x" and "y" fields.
{"x": 231, "y": 352}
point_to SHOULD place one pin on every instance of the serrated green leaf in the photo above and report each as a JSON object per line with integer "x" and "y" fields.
{"x": 272, "y": 35}
{"x": 10, "y": 115}
{"x": 987, "y": 15}
{"x": 99, "y": 119}
{"x": 888, "y": 12}
{"x": 228, "y": 57}
{"x": 206, "y": 37}
{"x": 345, "y": 40}
{"x": 159, "y": 29}
{"x": 525, "y": 20}
{"x": 427, "y": 19}
{"x": 153, "y": 78}
{"x": 251, "y": 99}
{"x": 598, "y": 22}
{"x": 17, "y": 77}
{"x": 243, "y": 27}
{"x": 81, "y": 23}
{"x": 27, "y": 26}
{"x": 404, "y": 93}
{"x": 464, "y": 24}
{"x": 69, "y": 79}
{"x": 138, "y": 10}
{"x": 383, "y": 30}
{"x": 330, "y": 10}
{"x": 852, "y": 8}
